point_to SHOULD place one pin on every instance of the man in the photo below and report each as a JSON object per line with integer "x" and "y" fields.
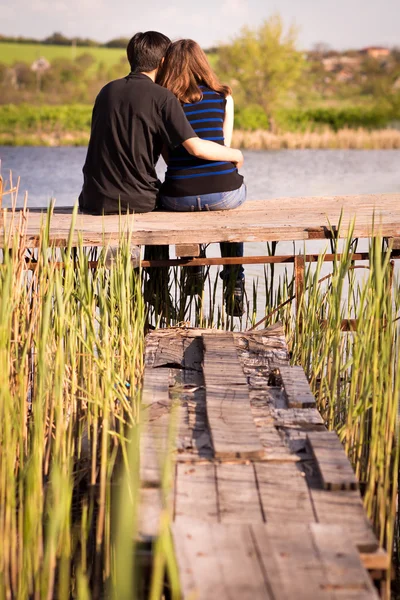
{"x": 133, "y": 118}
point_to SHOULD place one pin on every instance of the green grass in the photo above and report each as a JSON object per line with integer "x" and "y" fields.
{"x": 11, "y": 53}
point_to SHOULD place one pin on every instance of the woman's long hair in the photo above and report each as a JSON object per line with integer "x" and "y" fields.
{"x": 185, "y": 68}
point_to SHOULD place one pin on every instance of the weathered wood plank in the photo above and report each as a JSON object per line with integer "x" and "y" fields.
{"x": 155, "y": 387}
{"x": 262, "y": 220}
{"x": 221, "y": 364}
{"x": 375, "y": 561}
{"x": 149, "y": 513}
{"x": 169, "y": 351}
{"x": 284, "y": 493}
{"x": 296, "y": 387}
{"x": 238, "y": 497}
{"x": 344, "y": 571}
{"x": 184, "y": 250}
{"x": 232, "y": 426}
{"x": 292, "y": 566}
{"x": 345, "y": 509}
{"x": 155, "y": 424}
{"x": 334, "y": 466}
{"x": 305, "y": 561}
{"x": 218, "y": 562}
{"x": 196, "y": 493}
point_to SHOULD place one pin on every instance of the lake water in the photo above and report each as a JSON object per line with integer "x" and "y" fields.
{"x": 57, "y": 173}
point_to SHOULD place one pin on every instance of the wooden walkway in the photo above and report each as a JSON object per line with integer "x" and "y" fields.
{"x": 261, "y": 220}
{"x": 264, "y": 502}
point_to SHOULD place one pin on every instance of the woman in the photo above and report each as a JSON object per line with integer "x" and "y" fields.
{"x": 191, "y": 183}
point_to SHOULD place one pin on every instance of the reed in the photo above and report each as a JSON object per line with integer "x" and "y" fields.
{"x": 346, "y": 139}
{"x": 71, "y": 348}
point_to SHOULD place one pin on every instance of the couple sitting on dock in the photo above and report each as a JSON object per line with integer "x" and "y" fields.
{"x": 172, "y": 104}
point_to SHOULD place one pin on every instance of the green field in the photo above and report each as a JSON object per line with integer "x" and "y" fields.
{"x": 11, "y": 53}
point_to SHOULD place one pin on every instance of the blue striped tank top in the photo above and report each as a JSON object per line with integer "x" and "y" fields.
{"x": 190, "y": 176}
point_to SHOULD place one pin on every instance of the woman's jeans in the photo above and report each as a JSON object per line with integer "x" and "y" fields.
{"x": 215, "y": 201}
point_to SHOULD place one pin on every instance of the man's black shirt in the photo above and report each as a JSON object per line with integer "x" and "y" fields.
{"x": 132, "y": 119}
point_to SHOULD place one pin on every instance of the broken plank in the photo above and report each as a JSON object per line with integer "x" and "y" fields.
{"x": 284, "y": 493}
{"x": 333, "y": 464}
{"x": 296, "y": 386}
{"x": 218, "y": 562}
{"x": 238, "y": 497}
{"x": 193, "y": 353}
{"x": 169, "y": 351}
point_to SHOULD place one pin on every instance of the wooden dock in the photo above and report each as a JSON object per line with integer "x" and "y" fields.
{"x": 262, "y": 220}
{"x": 264, "y": 503}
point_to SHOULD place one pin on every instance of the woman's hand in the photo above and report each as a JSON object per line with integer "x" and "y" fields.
{"x": 240, "y": 160}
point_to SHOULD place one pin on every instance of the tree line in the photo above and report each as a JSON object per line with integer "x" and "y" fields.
{"x": 275, "y": 85}
{"x": 58, "y": 39}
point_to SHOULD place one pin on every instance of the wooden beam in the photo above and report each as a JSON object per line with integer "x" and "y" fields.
{"x": 183, "y": 250}
{"x": 296, "y": 386}
{"x": 333, "y": 464}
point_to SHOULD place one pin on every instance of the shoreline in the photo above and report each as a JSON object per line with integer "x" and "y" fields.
{"x": 345, "y": 139}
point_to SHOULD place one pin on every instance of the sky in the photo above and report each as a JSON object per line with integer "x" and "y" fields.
{"x": 340, "y": 23}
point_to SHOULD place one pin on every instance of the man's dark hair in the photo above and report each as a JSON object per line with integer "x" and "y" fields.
{"x": 145, "y": 51}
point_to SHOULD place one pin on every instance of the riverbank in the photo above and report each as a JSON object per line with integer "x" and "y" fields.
{"x": 69, "y": 125}
{"x": 346, "y": 138}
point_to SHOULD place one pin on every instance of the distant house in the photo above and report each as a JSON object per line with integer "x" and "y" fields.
{"x": 337, "y": 63}
{"x": 376, "y": 51}
{"x": 40, "y": 65}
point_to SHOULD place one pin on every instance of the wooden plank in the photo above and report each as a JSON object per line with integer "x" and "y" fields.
{"x": 149, "y": 513}
{"x": 196, "y": 493}
{"x": 232, "y": 426}
{"x": 292, "y": 566}
{"x": 169, "y": 351}
{"x": 375, "y": 561}
{"x": 262, "y": 220}
{"x": 284, "y": 493}
{"x": 163, "y": 428}
{"x": 345, "y": 509}
{"x": 218, "y": 562}
{"x": 343, "y": 567}
{"x": 154, "y": 450}
{"x": 155, "y": 387}
{"x": 298, "y": 418}
{"x": 193, "y": 353}
{"x": 238, "y": 497}
{"x": 221, "y": 364}
{"x": 233, "y": 431}
{"x": 333, "y": 464}
{"x": 296, "y": 386}
{"x": 306, "y": 561}
{"x": 184, "y": 250}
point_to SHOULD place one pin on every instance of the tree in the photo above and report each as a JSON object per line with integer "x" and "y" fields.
{"x": 264, "y": 64}
{"x": 57, "y": 39}
{"x": 120, "y": 42}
